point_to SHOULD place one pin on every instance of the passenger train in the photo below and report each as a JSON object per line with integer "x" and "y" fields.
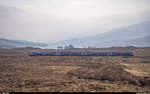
{"x": 80, "y": 54}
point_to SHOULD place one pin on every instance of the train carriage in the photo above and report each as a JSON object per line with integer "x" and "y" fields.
{"x": 76, "y": 53}
{"x": 91, "y": 53}
{"x": 42, "y": 53}
{"x": 80, "y": 54}
{"x": 64, "y": 54}
{"x": 104, "y": 54}
{"x": 115, "y": 54}
{"x": 51, "y": 53}
{"x": 126, "y": 54}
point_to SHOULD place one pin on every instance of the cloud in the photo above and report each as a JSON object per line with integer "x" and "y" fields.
{"x": 54, "y": 20}
{"x": 80, "y": 9}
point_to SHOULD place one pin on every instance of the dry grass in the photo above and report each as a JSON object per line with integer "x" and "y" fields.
{"x": 20, "y": 72}
{"x": 137, "y": 72}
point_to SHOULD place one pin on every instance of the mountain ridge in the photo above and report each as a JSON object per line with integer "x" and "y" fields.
{"x": 19, "y": 43}
{"x": 116, "y": 37}
{"x": 144, "y": 41}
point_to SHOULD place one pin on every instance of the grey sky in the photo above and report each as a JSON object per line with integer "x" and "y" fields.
{"x": 54, "y": 20}
{"x": 80, "y": 9}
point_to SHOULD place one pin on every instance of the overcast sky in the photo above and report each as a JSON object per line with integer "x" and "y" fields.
{"x": 54, "y": 20}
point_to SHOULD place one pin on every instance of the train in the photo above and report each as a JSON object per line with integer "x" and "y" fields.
{"x": 80, "y": 53}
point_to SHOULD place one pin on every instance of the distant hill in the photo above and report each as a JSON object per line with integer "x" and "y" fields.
{"x": 18, "y": 23}
{"x": 19, "y": 43}
{"x": 117, "y": 37}
{"x": 144, "y": 41}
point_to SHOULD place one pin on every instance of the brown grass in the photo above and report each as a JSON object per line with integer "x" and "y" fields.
{"x": 20, "y": 72}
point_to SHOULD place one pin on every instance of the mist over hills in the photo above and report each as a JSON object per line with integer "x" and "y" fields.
{"x": 19, "y": 43}
{"x": 123, "y": 30}
{"x": 126, "y": 36}
{"x": 139, "y": 42}
{"x": 18, "y": 24}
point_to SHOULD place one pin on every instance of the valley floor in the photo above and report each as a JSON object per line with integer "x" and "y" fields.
{"x": 20, "y": 72}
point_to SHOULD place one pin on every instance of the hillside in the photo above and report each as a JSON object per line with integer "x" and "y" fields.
{"x": 117, "y": 37}
{"x": 16, "y": 23}
{"x": 19, "y": 43}
{"x": 144, "y": 41}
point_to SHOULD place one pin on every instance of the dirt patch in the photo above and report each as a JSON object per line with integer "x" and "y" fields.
{"x": 63, "y": 69}
{"x": 110, "y": 73}
{"x": 138, "y": 69}
{"x": 137, "y": 72}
